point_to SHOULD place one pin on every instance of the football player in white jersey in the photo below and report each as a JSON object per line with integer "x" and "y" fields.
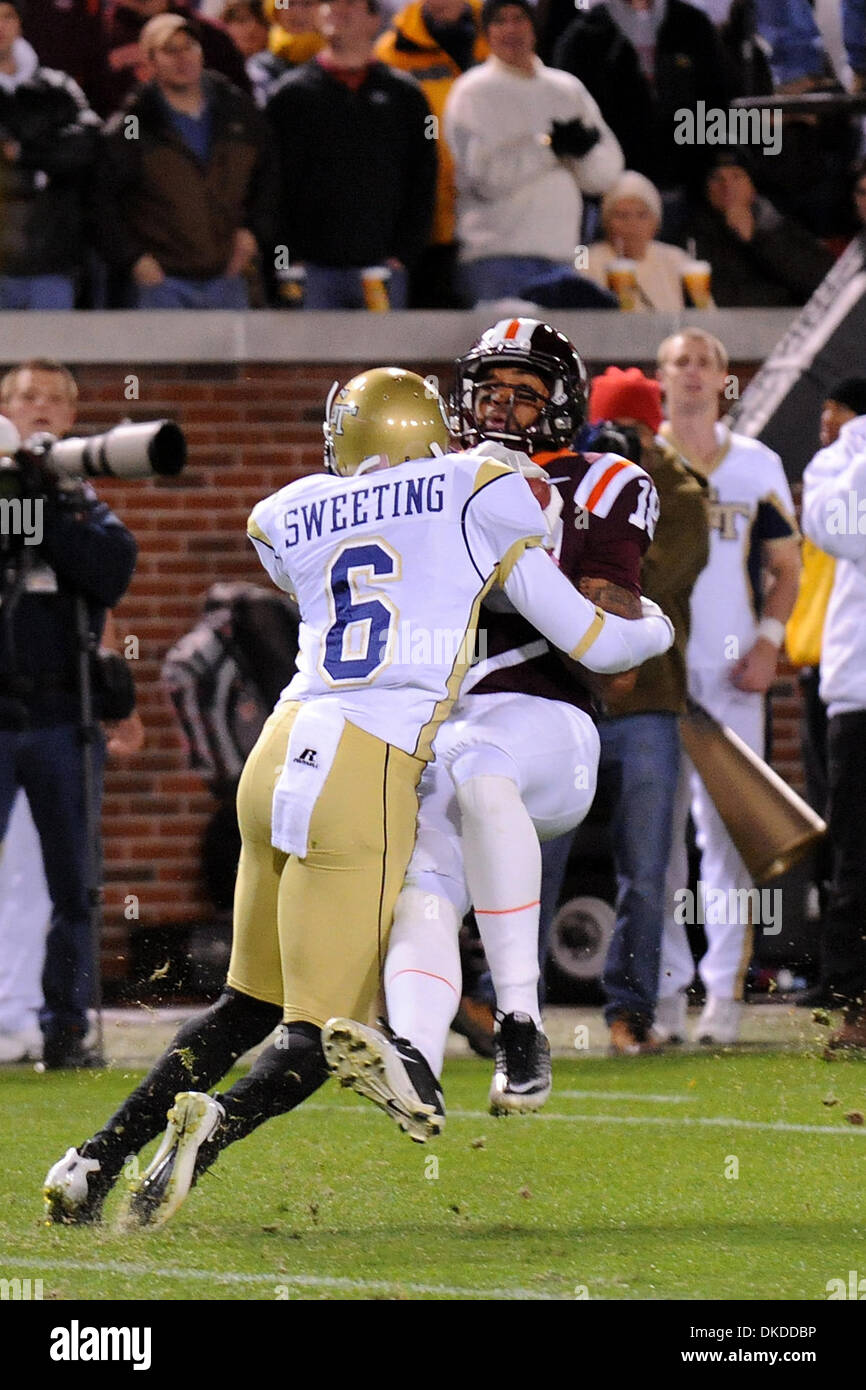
{"x": 517, "y": 761}
{"x": 403, "y": 534}
{"x": 739, "y": 607}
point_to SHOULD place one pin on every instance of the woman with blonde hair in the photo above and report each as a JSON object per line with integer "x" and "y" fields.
{"x": 631, "y": 214}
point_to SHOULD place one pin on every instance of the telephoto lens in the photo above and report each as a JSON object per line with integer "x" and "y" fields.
{"x": 127, "y": 451}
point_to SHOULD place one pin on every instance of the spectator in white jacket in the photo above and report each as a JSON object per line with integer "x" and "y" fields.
{"x": 834, "y": 518}
{"x": 527, "y": 141}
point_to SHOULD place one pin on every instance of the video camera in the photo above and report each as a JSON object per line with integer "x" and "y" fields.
{"x": 606, "y": 436}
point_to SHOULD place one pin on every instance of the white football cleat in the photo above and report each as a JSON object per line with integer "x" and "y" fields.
{"x": 390, "y": 1072}
{"x": 719, "y": 1022}
{"x": 178, "y": 1161}
{"x": 21, "y": 1045}
{"x": 669, "y": 1022}
{"x": 73, "y": 1195}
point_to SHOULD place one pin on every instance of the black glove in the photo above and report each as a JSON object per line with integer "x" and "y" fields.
{"x": 573, "y": 137}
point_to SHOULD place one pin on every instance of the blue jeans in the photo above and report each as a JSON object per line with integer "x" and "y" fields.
{"x": 48, "y": 764}
{"x": 340, "y": 287}
{"x": 853, "y": 35}
{"x": 502, "y": 277}
{"x": 644, "y": 751}
{"x": 37, "y": 292}
{"x": 176, "y": 292}
{"x": 797, "y": 49}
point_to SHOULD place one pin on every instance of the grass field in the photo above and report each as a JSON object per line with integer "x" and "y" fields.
{"x": 699, "y": 1176}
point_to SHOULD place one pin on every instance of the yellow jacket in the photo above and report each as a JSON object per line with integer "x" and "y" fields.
{"x": 409, "y": 46}
{"x": 805, "y": 627}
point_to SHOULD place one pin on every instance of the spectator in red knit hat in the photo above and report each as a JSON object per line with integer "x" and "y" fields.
{"x": 640, "y": 742}
{"x": 628, "y": 397}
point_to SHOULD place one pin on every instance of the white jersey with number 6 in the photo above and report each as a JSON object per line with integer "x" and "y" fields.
{"x": 389, "y": 568}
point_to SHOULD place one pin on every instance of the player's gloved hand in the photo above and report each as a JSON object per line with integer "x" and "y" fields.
{"x": 518, "y": 462}
{"x": 514, "y": 459}
{"x": 573, "y": 137}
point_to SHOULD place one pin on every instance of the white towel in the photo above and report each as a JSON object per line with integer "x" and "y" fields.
{"x": 312, "y": 748}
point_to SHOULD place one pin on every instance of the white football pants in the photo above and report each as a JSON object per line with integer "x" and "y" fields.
{"x": 729, "y": 944}
{"x": 25, "y": 914}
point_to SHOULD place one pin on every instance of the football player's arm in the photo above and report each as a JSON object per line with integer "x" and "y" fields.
{"x": 503, "y": 521}
{"x": 782, "y": 565}
{"x": 602, "y": 642}
{"x": 612, "y": 598}
{"x": 756, "y": 669}
{"x": 833, "y": 476}
{"x": 264, "y": 548}
{"x": 612, "y": 563}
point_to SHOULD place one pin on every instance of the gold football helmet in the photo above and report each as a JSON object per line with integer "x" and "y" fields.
{"x": 383, "y": 416}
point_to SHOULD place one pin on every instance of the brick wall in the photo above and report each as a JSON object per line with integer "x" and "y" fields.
{"x": 250, "y": 429}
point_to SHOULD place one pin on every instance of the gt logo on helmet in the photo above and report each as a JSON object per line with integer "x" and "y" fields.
{"x": 382, "y": 418}
{"x": 348, "y": 408}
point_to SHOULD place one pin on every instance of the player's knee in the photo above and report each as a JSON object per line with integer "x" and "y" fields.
{"x": 299, "y": 1045}
{"x": 480, "y": 760}
{"x": 420, "y": 919}
{"x": 487, "y": 797}
{"x": 246, "y": 1020}
{"x": 420, "y": 909}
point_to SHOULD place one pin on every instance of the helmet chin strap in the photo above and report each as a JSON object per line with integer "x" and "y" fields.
{"x": 513, "y": 440}
{"x": 373, "y": 464}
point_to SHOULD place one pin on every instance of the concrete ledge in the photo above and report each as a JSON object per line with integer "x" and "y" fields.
{"x": 135, "y": 338}
{"x": 137, "y": 1036}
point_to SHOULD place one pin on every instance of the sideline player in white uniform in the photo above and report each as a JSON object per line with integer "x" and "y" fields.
{"x": 327, "y": 800}
{"x": 517, "y": 761}
{"x": 739, "y": 607}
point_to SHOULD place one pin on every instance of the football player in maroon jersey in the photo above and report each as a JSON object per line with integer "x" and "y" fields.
{"x": 518, "y": 759}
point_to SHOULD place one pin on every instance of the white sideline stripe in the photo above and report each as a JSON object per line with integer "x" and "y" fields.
{"x": 623, "y": 1095}
{"x": 300, "y": 1281}
{"x": 709, "y": 1121}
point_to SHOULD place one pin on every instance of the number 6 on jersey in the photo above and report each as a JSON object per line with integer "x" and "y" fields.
{"x": 357, "y": 644}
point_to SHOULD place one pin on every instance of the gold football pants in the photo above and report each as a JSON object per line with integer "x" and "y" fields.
{"x": 311, "y": 934}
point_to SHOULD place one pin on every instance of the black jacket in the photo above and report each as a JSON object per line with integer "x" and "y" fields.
{"x": 782, "y": 265}
{"x": 689, "y": 67}
{"x": 42, "y": 224}
{"x": 84, "y": 550}
{"x": 155, "y": 196}
{"x": 357, "y": 169}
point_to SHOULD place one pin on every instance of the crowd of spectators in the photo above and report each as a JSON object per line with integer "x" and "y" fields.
{"x": 465, "y": 151}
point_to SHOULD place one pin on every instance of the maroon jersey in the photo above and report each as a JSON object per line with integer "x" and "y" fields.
{"x": 609, "y": 511}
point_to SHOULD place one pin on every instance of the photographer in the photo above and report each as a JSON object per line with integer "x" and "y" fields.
{"x": 81, "y": 549}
